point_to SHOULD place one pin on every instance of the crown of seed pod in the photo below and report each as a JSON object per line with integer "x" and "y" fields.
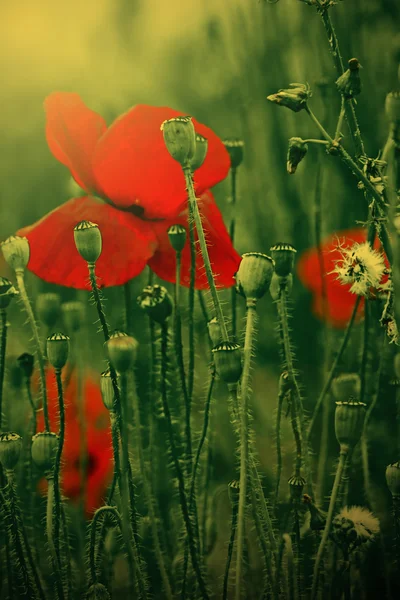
{"x": 228, "y": 361}
{"x": 349, "y": 84}
{"x": 200, "y": 152}
{"x": 393, "y": 479}
{"x": 295, "y": 97}
{"x": 214, "y": 331}
{"x": 346, "y": 386}
{"x": 88, "y": 241}
{"x": 48, "y": 308}
{"x": 7, "y": 292}
{"x": 317, "y": 516}
{"x": 16, "y": 252}
{"x": 283, "y": 256}
{"x": 10, "y": 449}
{"x": 73, "y": 315}
{"x": 297, "y": 150}
{"x": 177, "y": 237}
{"x": 180, "y": 139}
{"x": 392, "y": 107}
{"x": 349, "y": 421}
{"x": 296, "y": 485}
{"x": 233, "y": 491}
{"x": 278, "y": 284}
{"x": 254, "y": 275}
{"x": 156, "y": 302}
{"x": 43, "y": 450}
{"x": 122, "y": 350}
{"x": 97, "y": 591}
{"x": 57, "y": 350}
{"x": 107, "y": 390}
{"x": 235, "y": 148}
{"x": 26, "y": 362}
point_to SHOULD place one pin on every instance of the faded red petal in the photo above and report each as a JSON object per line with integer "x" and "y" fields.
{"x": 72, "y": 132}
{"x": 133, "y": 167}
{"x": 128, "y": 243}
{"x": 224, "y": 258}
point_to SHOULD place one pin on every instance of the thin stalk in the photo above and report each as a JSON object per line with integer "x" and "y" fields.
{"x": 292, "y": 587}
{"x": 313, "y": 141}
{"x": 99, "y": 515}
{"x": 230, "y": 548}
{"x": 127, "y": 308}
{"x": 278, "y": 448}
{"x": 340, "y": 120}
{"x": 297, "y": 438}
{"x": 3, "y": 344}
{"x": 262, "y": 539}
{"x": 232, "y": 236}
{"x": 57, "y": 465}
{"x": 50, "y": 538}
{"x": 192, "y": 242}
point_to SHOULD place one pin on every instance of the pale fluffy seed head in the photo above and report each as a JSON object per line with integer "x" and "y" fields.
{"x": 361, "y": 266}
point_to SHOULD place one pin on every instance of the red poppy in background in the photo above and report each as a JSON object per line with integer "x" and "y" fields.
{"x": 98, "y": 444}
{"x": 135, "y": 192}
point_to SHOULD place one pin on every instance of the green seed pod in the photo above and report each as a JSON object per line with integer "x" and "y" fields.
{"x": 57, "y": 350}
{"x": 393, "y": 479}
{"x": 228, "y": 361}
{"x": 177, "y": 237}
{"x": 346, "y": 386}
{"x": 97, "y": 591}
{"x": 214, "y": 331}
{"x": 283, "y": 257}
{"x": 200, "y": 152}
{"x": 235, "y": 149}
{"x": 48, "y": 308}
{"x": 296, "y": 485}
{"x": 254, "y": 275}
{"x": 107, "y": 390}
{"x": 16, "y": 252}
{"x": 88, "y": 241}
{"x": 180, "y": 139}
{"x": 122, "y": 349}
{"x": 296, "y": 152}
{"x": 349, "y": 421}
{"x": 392, "y": 107}
{"x": 278, "y": 284}
{"x": 10, "y": 449}
{"x": 26, "y": 363}
{"x": 349, "y": 84}
{"x": 156, "y": 302}
{"x": 295, "y": 97}
{"x": 73, "y": 315}
{"x": 43, "y": 449}
{"x": 233, "y": 491}
{"x": 7, "y": 292}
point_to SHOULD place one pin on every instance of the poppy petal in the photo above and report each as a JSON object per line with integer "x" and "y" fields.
{"x": 72, "y": 132}
{"x": 223, "y": 257}
{"x": 128, "y": 243}
{"x": 133, "y": 166}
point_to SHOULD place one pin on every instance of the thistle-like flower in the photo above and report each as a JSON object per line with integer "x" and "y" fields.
{"x": 354, "y": 526}
{"x": 361, "y": 266}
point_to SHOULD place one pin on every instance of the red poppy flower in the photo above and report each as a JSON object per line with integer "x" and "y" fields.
{"x": 97, "y": 438}
{"x": 339, "y": 300}
{"x": 135, "y": 191}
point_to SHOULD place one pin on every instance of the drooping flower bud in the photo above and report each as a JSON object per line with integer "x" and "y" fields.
{"x": 107, "y": 390}
{"x": 122, "y": 350}
{"x": 295, "y": 97}
{"x": 88, "y": 241}
{"x": 233, "y": 491}
{"x": 296, "y": 485}
{"x": 43, "y": 449}
{"x": 156, "y": 302}
{"x": 228, "y": 361}
{"x": 73, "y": 315}
{"x": 349, "y": 421}
{"x": 97, "y": 591}
{"x": 393, "y": 479}
{"x": 349, "y": 84}
{"x": 297, "y": 150}
{"x": 10, "y": 449}
{"x": 235, "y": 148}
{"x": 26, "y": 362}
{"x": 279, "y": 284}
{"x": 7, "y": 292}
{"x": 16, "y": 252}
{"x": 283, "y": 257}
{"x": 200, "y": 152}
{"x": 318, "y": 517}
{"x": 180, "y": 139}
{"x": 214, "y": 331}
{"x": 346, "y": 386}
{"x": 177, "y": 237}
{"x": 392, "y": 107}
{"x": 254, "y": 275}
{"x": 48, "y": 308}
{"x": 57, "y": 350}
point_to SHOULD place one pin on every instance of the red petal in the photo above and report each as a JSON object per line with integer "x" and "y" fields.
{"x": 72, "y": 132}
{"x": 128, "y": 243}
{"x": 224, "y": 258}
{"x": 133, "y": 166}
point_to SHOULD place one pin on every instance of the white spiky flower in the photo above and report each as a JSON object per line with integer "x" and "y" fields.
{"x": 360, "y": 265}
{"x": 354, "y": 526}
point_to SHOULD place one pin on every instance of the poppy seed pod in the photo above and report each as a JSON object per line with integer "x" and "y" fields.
{"x": 73, "y": 315}
{"x": 88, "y": 241}
{"x": 122, "y": 350}
{"x": 10, "y": 449}
{"x": 177, "y": 237}
{"x": 57, "y": 350}
{"x": 392, "y": 107}
{"x": 349, "y": 421}
{"x": 349, "y": 84}
{"x": 295, "y": 97}
{"x": 296, "y": 485}
{"x": 235, "y": 149}
{"x": 393, "y": 479}
{"x": 296, "y": 152}
{"x": 180, "y": 139}
{"x": 346, "y": 386}
{"x": 233, "y": 491}
{"x": 278, "y": 284}
{"x": 7, "y": 292}
{"x": 228, "y": 361}
{"x": 254, "y": 275}
{"x": 214, "y": 331}
{"x": 97, "y": 591}
{"x": 48, "y": 308}
{"x": 107, "y": 390}
{"x": 26, "y": 362}
{"x": 283, "y": 257}
{"x": 156, "y": 302}
{"x": 200, "y": 152}
{"x": 43, "y": 449}
{"x": 16, "y": 252}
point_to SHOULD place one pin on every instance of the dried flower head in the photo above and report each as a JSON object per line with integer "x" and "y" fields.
{"x": 156, "y": 302}
{"x": 295, "y": 97}
{"x": 360, "y": 266}
{"x": 354, "y": 526}
{"x": 297, "y": 150}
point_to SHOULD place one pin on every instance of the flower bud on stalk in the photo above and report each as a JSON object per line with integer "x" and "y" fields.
{"x": 26, "y": 362}
{"x": 254, "y": 275}
{"x": 97, "y": 591}
{"x": 228, "y": 361}
{"x": 7, "y": 293}
{"x": 214, "y": 331}
{"x": 88, "y": 241}
{"x": 58, "y": 350}
{"x": 16, "y": 252}
{"x": 177, "y": 237}
{"x": 44, "y": 449}
{"x": 296, "y": 485}
{"x": 200, "y": 152}
{"x": 48, "y": 309}
{"x": 73, "y": 315}
{"x": 393, "y": 479}
{"x": 349, "y": 84}
{"x": 296, "y": 152}
{"x": 235, "y": 149}
{"x": 349, "y": 422}
{"x": 285, "y": 384}
{"x": 295, "y": 97}
{"x": 107, "y": 390}
{"x": 10, "y": 450}
{"x": 283, "y": 257}
{"x": 122, "y": 349}
{"x": 346, "y": 386}
{"x": 180, "y": 139}
{"x": 156, "y": 302}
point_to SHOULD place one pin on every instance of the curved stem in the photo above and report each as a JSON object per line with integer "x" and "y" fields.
{"x": 99, "y": 514}
{"x": 3, "y": 344}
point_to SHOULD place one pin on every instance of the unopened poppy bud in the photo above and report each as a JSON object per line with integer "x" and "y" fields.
{"x": 295, "y": 97}
{"x": 346, "y": 386}
{"x": 16, "y": 252}
{"x": 254, "y": 275}
{"x": 10, "y": 449}
{"x": 107, "y": 390}
{"x": 214, "y": 331}
{"x": 392, "y": 107}
{"x": 180, "y": 139}
{"x": 233, "y": 491}
{"x": 97, "y": 591}
{"x": 177, "y": 237}
{"x": 349, "y": 84}
{"x": 235, "y": 149}
{"x": 283, "y": 257}
{"x": 156, "y": 302}
{"x": 26, "y": 362}
{"x": 200, "y": 152}
{"x": 88, "y": 241}
{"x": 279, "y": 284}
{"x": 48, "y": 308}
{"x": 296, "y": 485}
{"x": 57, "y": 350}
{"x": 349, "y": 421}
{"x": 7, "y": 292}
{"x": 318, "y": 517}
{"x": 228, "y": 361}
{"x": 73, "y": 315}
{"x": 393, "y": 479}
{"x": 296, "y": 152}
{"x": 43, "y": 449}
{"x": 122, "y": 350}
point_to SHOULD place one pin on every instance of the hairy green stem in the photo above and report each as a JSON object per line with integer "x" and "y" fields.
{"x": 3, "y": 344}
{"x": 292, "y": 587}
{"x": 50, "y": 538}
{"x": 100, "y": 514}
{"x": 278, "y": 448}
{"x": 57, "y": 465}
{"x": 230, "y": 548}
{"x": 232, "y": 236}
{"x": 192, "y": 242}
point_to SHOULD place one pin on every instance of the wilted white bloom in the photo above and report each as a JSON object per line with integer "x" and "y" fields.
{"x": 354, "y": 526}
{"x": 362, "y": 266}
